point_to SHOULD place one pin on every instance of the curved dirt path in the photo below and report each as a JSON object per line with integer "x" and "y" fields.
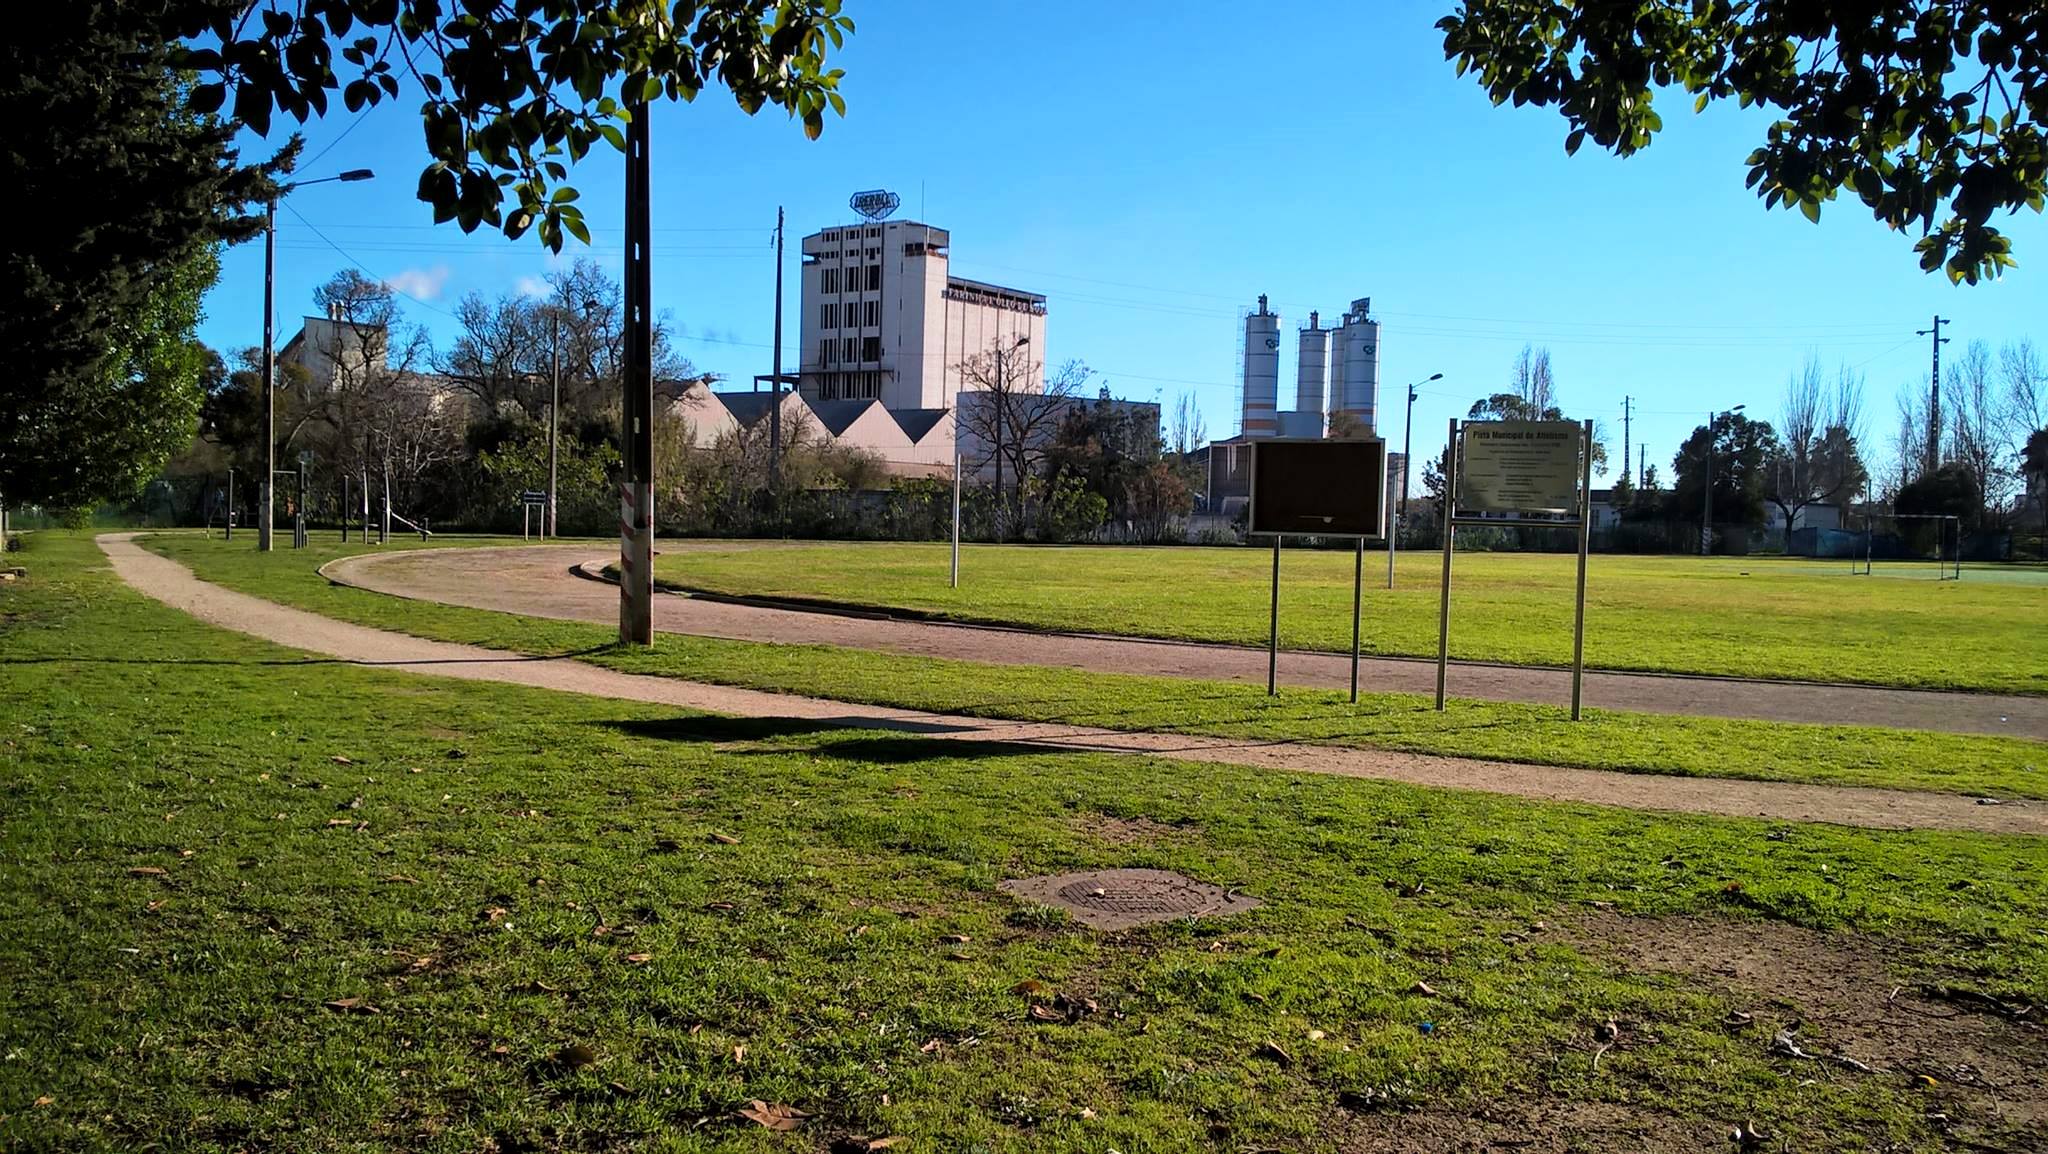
{"x": 174, "y": 585}
{"x": 535, "y": 580}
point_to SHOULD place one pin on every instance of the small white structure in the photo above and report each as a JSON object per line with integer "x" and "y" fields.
{"x": 1356, "y": 351}
{"x": 1312, "y": 373}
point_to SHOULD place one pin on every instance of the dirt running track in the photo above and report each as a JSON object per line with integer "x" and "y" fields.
{"x": 535, "y": 580}
{"x": 174, "y": 585}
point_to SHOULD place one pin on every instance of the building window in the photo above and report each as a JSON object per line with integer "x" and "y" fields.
{"x": 875, "y": 231}
{"x": 874, "y": 277}
{"x": 831, "y": 280}
{"x": 871, "y": 349}
{"x": 824, "y": 352}
{"x": 871, "y": 314}
{"x": 851, "y": 347}
{"x": 828, "y": 316}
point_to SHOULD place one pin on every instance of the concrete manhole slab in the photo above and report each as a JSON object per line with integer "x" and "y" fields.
{"x": 1121, "y": 898}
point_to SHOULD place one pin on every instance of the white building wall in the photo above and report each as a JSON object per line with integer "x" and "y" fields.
{"x": 881, "y": 317}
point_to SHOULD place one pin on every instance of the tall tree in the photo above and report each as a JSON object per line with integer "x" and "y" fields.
{"x": 1007, "y": 419}
{"x": 1924, "y": 110}
{"x": 1814, "y": 459}
{"x": 1973, "y": 420}
{"x": 127, "y": 196}
{"x": 1734, "y": 451}
{"x": 515, "y": 91}
{"x": 1532, "y": 396}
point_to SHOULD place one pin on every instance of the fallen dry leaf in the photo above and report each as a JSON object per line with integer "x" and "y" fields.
{"x": 724, "y": 838}
{"x": 43, "y": 1100}
{"x": 930, "y": 1046}
{"x": 402, "y": 879}
{"x": 496, "y": 914}
{"x": 639, "y": 959}
{"x": 338, "y": 759}
{"x": 720, "y": 906}
{"x": 148, "y": 871}
{"x": 958, "y": 939}
{"x": 958, "y": 956}
{"x": 351, "y": 1006}
{"x": 774, "y": 1115}
{"x": 860, "y": 1144}
{"x": 739, "y": 1055}
{"x": 1423, "y": 988}
{"x": 1316, "y": 1035}
{"x": 1272, "y": 1052}
{"x": 1046, "y": 1014}
{"x": 1028, "y": 986}
{"x": 422, "y": 962}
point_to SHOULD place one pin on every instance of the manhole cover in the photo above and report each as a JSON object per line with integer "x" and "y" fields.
{"x": 1117, "y": 899}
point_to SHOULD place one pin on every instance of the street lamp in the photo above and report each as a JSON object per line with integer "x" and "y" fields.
{"x": 1407, "y": 440}
{"x": 263, "y": 526}
{"x": 1396, "y": 518}
{"x": 1707, "y": 517}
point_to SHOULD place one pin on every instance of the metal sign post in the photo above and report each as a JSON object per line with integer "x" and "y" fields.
{"x": 1312, "y": 487}
{"x": 1443, "y": 605}
{"x": 1273, "y": 635}
{"x": 1519, "y": 467}
{"x": 344, "y": 506}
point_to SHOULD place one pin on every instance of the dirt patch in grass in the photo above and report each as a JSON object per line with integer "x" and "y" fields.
{"x": 1588, "y": 1127}
{"x": 1982, "y": 1064}
{"x": 1124, "y": 830}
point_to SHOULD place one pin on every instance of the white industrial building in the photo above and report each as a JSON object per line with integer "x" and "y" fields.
{"x": 883, "y": 318}
{"x": 1336, "y": 393}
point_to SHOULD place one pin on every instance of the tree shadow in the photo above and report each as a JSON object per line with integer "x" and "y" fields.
{"x": 719, "y": 729}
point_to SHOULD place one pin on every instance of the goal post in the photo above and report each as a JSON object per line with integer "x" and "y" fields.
{"x": 1912, "y": 538}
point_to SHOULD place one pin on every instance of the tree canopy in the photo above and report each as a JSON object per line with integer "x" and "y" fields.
{"x": 514, "y": 91}
{"x": 1934, "y": 114}
{"x": 129, "y": 195}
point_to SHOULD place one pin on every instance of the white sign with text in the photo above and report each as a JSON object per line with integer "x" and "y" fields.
{"x": 1519, "y": 467}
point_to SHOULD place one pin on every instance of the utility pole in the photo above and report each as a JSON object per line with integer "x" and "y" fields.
{"x": 547, "y": 529}
{"x": 775, "y": 371}
{"x": 1625, "y": 414}
{"x": 1642, "y": 465}
{"x": 263, "y": 527}
{"x": 1933, "y": 455}
{"x": 1707, "y": 518}
{"x": 636, "y": 500}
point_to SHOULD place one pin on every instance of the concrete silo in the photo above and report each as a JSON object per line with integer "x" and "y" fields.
{"x": 1355, "y": 366}
{"x": 1312, "y": 368}
{"x": 1261, "y": 371}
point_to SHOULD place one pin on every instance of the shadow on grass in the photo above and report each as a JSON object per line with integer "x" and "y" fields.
{"x": 727, "y": 729}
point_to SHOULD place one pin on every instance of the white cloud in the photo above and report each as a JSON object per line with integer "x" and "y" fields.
{"x": 533, "y": 286}
{"x": 420, "y": 283}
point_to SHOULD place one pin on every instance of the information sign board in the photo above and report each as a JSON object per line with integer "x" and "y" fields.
{"x": 1311, "y": 487}
{"x": 1519, "y": 467}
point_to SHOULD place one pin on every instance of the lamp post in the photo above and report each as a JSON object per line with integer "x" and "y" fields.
{"x": 1002, "y": 394}
{"x": 1407, "y": 439}
{"x": 263, "y": 526}
{"x": 1707, "y": 516}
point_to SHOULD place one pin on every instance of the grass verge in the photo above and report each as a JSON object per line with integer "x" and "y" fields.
{"x": 256, "y": 900}
{"x": 1739, "y": 616}
{"x": 1545, "y": 735}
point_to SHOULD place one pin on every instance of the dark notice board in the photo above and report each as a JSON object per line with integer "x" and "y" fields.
{"x": 1319, "y": 488}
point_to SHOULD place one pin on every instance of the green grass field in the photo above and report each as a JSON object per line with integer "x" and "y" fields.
{"x": 1629, "y": 742}
{"x": 1745, "y": 617}
{"x": 252, "y": 900}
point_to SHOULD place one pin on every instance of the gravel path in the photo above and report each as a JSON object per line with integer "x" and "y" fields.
{"x": 174, "y": 585}
{"x": 535, "y": 580}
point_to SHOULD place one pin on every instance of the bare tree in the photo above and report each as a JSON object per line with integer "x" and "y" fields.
{"x": 1973, "y": 421}
{"x": 1189, "y": 430}
{"x": 1909, "y": 441}
{"x": 1007, "y": 419}
{"x": 1532, "y": 381}
{"x": 1816, "y": 458}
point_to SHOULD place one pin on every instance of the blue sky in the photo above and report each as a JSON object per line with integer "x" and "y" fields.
{"x": 1153, "y": 168}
